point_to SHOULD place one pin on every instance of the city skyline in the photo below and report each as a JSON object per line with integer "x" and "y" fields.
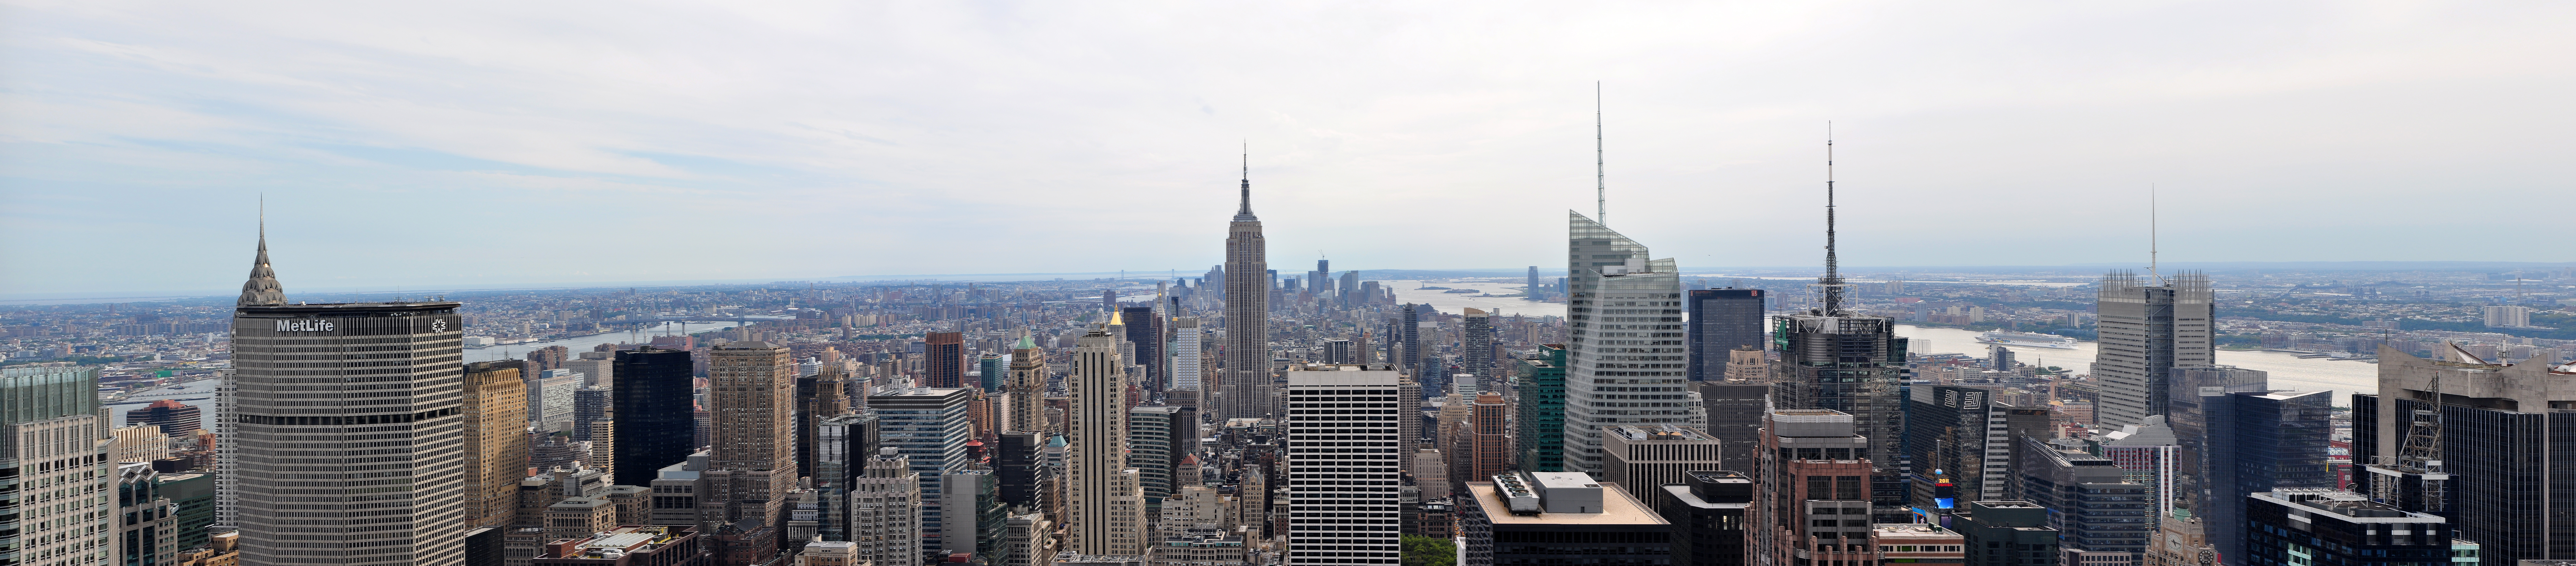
{"x": 154, "y": 137}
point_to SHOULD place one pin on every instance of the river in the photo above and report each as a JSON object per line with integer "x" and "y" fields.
{"x": 585, "y": 343}
{"x": 2287, "y": 371}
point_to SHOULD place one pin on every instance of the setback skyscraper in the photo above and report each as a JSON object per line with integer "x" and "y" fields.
{"x": 496, "y": 441}
{"x": 1244, "y": 389}
{"x": 2147, "y": 330}
{"x": 1624, "y": 364}
{"x": 349, "y": 422}
{"x": 1105, "y": 506}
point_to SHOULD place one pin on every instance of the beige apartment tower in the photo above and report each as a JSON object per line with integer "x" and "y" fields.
{"x": 496, "y": 441}
{"x": 1104, "y": 507}
{"x": 751, "y": 398}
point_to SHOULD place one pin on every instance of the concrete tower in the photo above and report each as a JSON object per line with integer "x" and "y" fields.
{"x": 1245, "y": 387}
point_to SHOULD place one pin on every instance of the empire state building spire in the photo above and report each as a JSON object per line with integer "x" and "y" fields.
{"x": 262, "y": 288}
{"x": 1244, "y": 213}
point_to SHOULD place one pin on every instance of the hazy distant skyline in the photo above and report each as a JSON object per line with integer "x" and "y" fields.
{"x": 450, "y": 144}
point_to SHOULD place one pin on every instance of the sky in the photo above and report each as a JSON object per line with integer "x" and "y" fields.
{"x": 461, "y": 143}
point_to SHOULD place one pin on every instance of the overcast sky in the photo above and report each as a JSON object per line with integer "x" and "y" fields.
{"x": 442, "y": 143}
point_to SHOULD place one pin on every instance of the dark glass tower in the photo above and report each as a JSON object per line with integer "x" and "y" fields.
{"x": 2259, "y": 442}
{"x": 656, "y": 424}
{"x": 1145, "y": 331}
{"x": 1720, "y": 320}
{"x": 1542, "y": 410}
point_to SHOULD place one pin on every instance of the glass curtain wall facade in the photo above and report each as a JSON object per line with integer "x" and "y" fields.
{"x": 1542, "y": 410}
{"x": 1721, "y": 320}
{"x": 1625, "y": 353}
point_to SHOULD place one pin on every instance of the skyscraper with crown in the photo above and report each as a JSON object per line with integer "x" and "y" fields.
{"x": 348, "y": 424}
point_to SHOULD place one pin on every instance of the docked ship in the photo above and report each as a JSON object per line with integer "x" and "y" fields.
{"x": 2031, "y": 339}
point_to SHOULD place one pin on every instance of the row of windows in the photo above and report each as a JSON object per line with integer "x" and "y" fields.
{"x": 349, "y": 420}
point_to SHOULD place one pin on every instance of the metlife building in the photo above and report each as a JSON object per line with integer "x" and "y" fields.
{"x": 348, "y": 442}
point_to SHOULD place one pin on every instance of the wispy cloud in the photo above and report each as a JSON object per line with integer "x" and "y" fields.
{"x": 423, "y": 143}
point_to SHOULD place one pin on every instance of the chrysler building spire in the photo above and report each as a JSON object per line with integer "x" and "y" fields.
{"x": 262, "y": 288}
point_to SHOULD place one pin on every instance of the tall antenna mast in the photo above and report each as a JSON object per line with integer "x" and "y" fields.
{"x": 1600, "y": 174}
{"x": 2151, "y": 236}
{"x": 1833, "y": 281}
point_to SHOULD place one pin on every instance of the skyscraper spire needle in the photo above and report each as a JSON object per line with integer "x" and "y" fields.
{"x": 1833, "y": 280}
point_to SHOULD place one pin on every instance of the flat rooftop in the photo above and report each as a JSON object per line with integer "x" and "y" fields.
{"x": 1635, "y": 433}
{"x": 1617, "y": 508}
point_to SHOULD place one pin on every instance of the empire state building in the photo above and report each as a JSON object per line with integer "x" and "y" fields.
{"x": 1245, "y": 390}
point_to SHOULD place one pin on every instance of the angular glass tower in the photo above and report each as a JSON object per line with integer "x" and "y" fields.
{"x": 1625, "y": 351}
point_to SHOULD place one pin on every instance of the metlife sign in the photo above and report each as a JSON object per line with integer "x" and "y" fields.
{"x": 305, "y": 325}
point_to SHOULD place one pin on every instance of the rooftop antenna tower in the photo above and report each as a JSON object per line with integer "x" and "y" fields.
{"x": 1600, "y": 173}
{"x": 1833, "y": 279}
{"x": 2151, "y": 235}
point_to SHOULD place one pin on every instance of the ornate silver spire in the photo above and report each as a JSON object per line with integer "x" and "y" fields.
{"x": 262, "y": 288}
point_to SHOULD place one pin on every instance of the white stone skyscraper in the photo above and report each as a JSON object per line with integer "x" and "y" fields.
{"x": 1244, "y": 389}
{"x": 1343, "y": 478}
{"x": 1625, "y": 355}
{"x": 2148, "y": 328}
{"x": 1104, "y": 507}
{"x": 348, "y": 429}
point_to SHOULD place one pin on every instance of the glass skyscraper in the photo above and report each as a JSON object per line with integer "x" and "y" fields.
{"x": 656, "y": 421}
{"x": 1625, "y": 350}
{"x": 1542, "y": 410}
{"x": 1721, "y": 320}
